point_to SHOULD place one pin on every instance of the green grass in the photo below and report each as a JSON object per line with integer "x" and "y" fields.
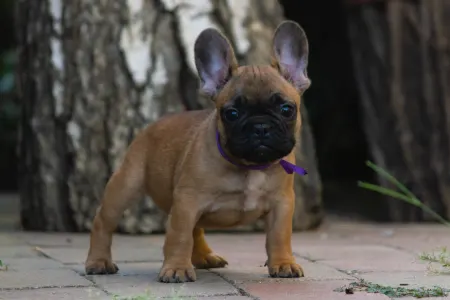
{"x": 3, "y": 266}
{"x": 404, "y": 194}
{"x": 393, "y": 292}
{"x": 441, "y": 256}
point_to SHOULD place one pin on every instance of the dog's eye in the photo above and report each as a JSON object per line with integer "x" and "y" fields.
{"x": 287, "y": 110}
{"x": 231, "y": 114}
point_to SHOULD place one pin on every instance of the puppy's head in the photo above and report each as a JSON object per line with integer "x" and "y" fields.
{"x": 258, "y": 106}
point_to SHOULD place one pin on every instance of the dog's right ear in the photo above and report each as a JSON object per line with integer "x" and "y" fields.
{"x": 215, "y": 61}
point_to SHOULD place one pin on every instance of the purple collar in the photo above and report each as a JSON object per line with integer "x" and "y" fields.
{"x": 287, "y": 166}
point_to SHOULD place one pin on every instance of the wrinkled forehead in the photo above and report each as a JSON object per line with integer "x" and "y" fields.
{"x": 258, "y": 83}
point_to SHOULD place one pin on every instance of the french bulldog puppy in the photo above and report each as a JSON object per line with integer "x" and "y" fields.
{"x": 221, "y": 167}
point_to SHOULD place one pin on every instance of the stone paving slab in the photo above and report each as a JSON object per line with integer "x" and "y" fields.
{"x": 125, "y": 269}
{"x": 224, "y": 298}
{"x": 7, "y": 239}
{"x": 327, "y": 252}
{"x": 412, "y": 279}
{"x": 417, "y": 244}
{"x": 122, "y": 254}
{"x": 56, "y": 294}
{"x": 17, "y": 252}
{"x": 207, "y": 284}
{"x": 307, "y": 290}
{"x": 427, "y": 298}
{"x": 32, "y": 279}
{"x": 33, "y": 263}
{"x": 333, "y": 256}
{"x": 239, "y": 273}
{"x": 362, "y": 258}
{"x": 81, "y": 240}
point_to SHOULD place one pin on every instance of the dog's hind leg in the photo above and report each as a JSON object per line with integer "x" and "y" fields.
{"x": 123, "y": 188}
{"x": 202, "y": 256}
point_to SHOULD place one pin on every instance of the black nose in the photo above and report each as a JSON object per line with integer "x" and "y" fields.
{"x": 261, "y": 130}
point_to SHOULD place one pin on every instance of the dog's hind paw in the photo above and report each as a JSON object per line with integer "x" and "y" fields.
{"x": 209, "y": 261}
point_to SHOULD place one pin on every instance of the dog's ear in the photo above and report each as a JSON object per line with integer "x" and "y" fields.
{"x": 290, "y": 54}
{"x": 214, "y": 59}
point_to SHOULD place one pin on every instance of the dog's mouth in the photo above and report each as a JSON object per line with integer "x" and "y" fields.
{"x": 263, "y": 153}
{"x": 262, "y": 150}
{"x": 259, "y": 149}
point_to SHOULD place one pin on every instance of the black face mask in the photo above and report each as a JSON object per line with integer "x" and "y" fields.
{"x": 259, "y": 132}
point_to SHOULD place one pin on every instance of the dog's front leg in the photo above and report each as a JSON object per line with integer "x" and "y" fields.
{"x": 179, "y": 243}
{"x": 281, "y": 262}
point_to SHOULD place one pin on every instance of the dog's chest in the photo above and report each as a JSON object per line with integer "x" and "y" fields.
{"x": 255, "y": 190}
{"x": 243, "y": 193}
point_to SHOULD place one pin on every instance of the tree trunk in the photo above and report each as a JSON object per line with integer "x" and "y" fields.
{"x": 93, "y": 73}
{"x": 401, "y": 60}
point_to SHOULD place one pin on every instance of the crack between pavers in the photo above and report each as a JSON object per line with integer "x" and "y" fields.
{"x": 358, "y": 272}
{"x": 233, "y": 283}
{"x": 200, "y": 296}
{"x": 382, "y": 242}
{"x": 41, "y": 253}
{"x": 44, "y": 287}
{"x": 241, "y": 293}
{"x": 399, "y": 248}
{"x": 94, "y": 284}
{"x": 115, "y": 261}
{"x": 388, "y": 246}
{"x": 320, "y": 262}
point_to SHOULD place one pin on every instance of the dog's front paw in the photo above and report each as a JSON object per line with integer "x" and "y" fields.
{"x": 100, "y": 267}
{"x": 177, "y": 274}
{"x": 209, "y": 261}
{"x": 285, "y": 270}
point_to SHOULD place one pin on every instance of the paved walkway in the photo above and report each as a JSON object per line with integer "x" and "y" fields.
{"x": 50, "y": 266}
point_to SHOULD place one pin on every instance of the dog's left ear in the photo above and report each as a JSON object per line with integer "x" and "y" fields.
{"x": 290, "y": 54}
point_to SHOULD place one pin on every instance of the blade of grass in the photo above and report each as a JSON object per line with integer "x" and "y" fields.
{"x": 416, "y": 202}
{"x": 392, "y": 179}
{"x": 386, "y": 191}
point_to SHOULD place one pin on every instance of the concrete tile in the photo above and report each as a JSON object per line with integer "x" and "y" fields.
{"x": 363, "y": 258}
{"x": 125, "y": 269}
{"x": 413, "y": 279}
{"x": 427, "y": 298}
{"x": 132, "y": 253}
{"x": 418, "y": 243}
{"x": 207, "y": 284}
{"x": 81, "y": 240}
{"x": 35, "y": 263}
{"x": 360, "y": 264}
{"x": 313, "y": 271}
{"x": 17, "y": 252}
{"x": 55, "y": 294}
{"x": 224, "y": 298}
{"x": 306, "y": 290}
{"x": 327, "y": 252}
{"x": 201, "y": 298}
{"x": 8, "y": 239}
{"x": 38, "y": 278}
